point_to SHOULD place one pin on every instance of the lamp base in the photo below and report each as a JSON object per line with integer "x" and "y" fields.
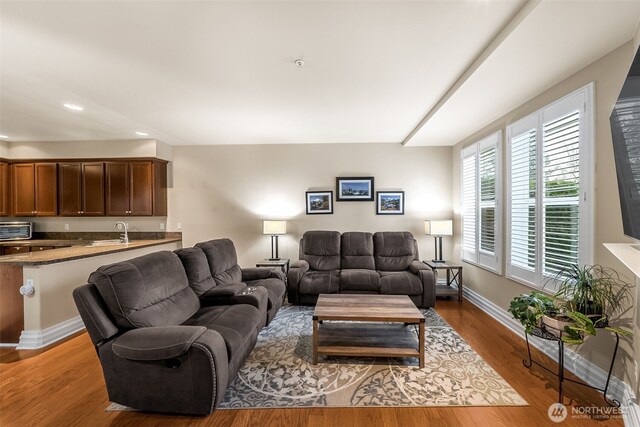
{"x": 438, "y": 260}
{"x": 274, "y": 259}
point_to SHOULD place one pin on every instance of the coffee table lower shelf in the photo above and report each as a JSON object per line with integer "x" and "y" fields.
{"x": 367, "y": 339}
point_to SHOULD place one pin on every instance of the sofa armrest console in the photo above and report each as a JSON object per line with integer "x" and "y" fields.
{"x": 156, "y": 343}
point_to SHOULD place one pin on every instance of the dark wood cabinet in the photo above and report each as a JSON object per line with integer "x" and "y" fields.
{"x": 34, "y": 189}
{"x": 4, "y": 189}
{"x": 13, "y": 250}
{"x": 81, "y": 189}
{"x": 77, "y": 188}
{"x": 136, "y": 188}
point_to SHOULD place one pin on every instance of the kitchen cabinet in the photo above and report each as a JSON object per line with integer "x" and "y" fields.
{"x": 13, "y": 250}
{"x": 4, "y": 189}
{"x": 34, "y": 189}
{"x": 137, "y": 188}
{"x": 81, "y": 188}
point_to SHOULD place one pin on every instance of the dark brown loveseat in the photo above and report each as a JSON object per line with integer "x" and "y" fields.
{"x": 359, "y": 262}
{"x": 171, "y": 338}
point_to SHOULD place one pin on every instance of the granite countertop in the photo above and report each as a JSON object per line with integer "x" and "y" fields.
{"x": 70, "y": 249}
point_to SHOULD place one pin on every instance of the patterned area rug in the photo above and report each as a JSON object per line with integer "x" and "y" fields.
{"x": 279, "y": 373}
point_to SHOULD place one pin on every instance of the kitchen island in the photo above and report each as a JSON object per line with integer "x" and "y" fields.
{"x": 47, "y": 312}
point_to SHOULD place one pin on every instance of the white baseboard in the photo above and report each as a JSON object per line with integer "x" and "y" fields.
{"x": 573, "y": 362}
{"x": 31, "y": 340}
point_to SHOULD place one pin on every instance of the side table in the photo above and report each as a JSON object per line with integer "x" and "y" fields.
{"x": 453, "y": 285}
{"x": 282, "y": 264}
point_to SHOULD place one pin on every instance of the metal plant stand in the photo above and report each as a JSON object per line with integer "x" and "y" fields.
{"x": 542, "y": 333}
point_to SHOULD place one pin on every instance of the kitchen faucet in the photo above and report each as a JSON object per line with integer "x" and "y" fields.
{"x": 124, "y": 238}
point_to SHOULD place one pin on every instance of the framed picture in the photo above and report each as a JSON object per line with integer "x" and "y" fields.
{"x": 319, "y": 202}
{"x": 358, "y": 189}
{"x": 390, "y": 203}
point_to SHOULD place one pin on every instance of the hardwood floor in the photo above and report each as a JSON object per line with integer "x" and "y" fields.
{"x": 63, "y": 386}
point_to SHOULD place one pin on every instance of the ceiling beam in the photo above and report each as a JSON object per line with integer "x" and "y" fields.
{"x": 513, "y": 23}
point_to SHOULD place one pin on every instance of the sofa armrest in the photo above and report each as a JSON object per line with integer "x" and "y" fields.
{"x": 156, "y": 342}
{"x": 416, "y": 266}
{"x": 428, "y": 279}
{"x": 296, "y": 271}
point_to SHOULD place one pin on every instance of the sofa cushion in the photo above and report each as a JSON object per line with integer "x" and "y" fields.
{"x": 321, "y": 249}
{"x": 359, "y": 280}
{"x": 237, "y": 325}
{"x": 394, "y": 250}
{"x": 399, "y": 283}
{"x": 356, "y": 250}
{"x": 197, "y": 268}
{"x": 223, "y": 261}
{"x": 151, "y": 290}
{"x": 320, "y": 282}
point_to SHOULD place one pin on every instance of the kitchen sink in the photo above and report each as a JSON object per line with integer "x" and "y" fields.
{"x": 113, "y": 242}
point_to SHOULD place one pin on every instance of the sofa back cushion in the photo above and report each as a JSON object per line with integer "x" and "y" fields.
{"x": 321, "y": 249}
{"x": 223, "y": 261}
{"x": 151, "y": 290}
{"x": 197, "y": 268}
{"x": 394, "y": 250}
{"x": 356, "y": 250}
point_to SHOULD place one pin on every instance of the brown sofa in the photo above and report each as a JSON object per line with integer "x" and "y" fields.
{"x": 359, "y": 262}
{"x": 172, "y": 329}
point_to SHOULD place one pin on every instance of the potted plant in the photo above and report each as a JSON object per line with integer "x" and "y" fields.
{"x": 595, "y": 291}
{"x": 530, "y": 308}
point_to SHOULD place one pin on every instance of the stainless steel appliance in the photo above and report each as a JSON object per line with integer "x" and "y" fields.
{"x": 15, "y": 230}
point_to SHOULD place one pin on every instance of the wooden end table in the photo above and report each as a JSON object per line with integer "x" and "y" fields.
{"x": 453, "y": 285}
{"x": 377, "y": 338}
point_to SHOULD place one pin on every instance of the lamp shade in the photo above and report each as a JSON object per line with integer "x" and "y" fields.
{"x": 438, "y": 228}
{"x": 274, "y": 227}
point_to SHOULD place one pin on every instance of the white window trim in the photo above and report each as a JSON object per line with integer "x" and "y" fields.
{"x": 586, "y": 97}
{"x": 479, "y": 258}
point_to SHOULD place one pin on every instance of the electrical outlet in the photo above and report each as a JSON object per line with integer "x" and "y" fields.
{"x": 29, "y": 283}
{"x": 179, "y": 226}
{"x": 66, "y": 226}
{"x": 162, "y": 226}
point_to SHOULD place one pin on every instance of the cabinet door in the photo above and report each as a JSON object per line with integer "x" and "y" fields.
{"x": 160, "y": 189}
{"x": 23, "y": 189}
{"x": 12, "y": 250}
{"x": 4, "y": 189}
{"x": 93, "y": 189}
{"x": 141, "y": 188}
{"x": 46, "y": 189}
{"x": 70, "y": 188}
{"x": 117, "y": 188}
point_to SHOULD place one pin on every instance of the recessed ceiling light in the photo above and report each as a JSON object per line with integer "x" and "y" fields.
{"x": 4, "y": 137}
{"x": 142, "y": 134}
{"x": 74, "y": 107}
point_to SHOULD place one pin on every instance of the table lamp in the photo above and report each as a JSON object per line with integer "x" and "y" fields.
{"x": 274, "y": 228}
{"x": 437, "y": 229}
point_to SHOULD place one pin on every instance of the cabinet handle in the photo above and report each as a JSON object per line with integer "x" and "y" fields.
{"x": 82, "y": 212}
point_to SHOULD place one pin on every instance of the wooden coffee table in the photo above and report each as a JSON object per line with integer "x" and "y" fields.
{"x": 351, "y": 337}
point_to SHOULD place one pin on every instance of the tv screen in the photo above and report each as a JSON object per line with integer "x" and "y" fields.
{"x": 625, "y": 130}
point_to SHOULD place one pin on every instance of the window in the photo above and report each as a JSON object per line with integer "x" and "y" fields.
{"x": 481, "y": 213}
{"x": 550, "y": 176}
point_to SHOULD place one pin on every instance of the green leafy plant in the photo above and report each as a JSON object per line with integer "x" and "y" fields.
{"x": 529, "y": 309}
{"x": 593, "y": 290}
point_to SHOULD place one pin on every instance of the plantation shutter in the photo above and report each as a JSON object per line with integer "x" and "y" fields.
{"x": 522, "y": 239}
{"x": 480, "y": 191}
{"x": 550, "y": 184}
{"x": 561, "y": 178}
{"x": 469, "y": 204}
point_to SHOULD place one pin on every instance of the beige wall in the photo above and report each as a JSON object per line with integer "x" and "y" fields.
{"x": 4, "y": 149}
{"x": 226, "y": 191}
{"x": 608, "y": 73}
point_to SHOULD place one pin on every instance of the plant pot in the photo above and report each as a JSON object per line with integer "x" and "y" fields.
{"x": 555, "y": 326}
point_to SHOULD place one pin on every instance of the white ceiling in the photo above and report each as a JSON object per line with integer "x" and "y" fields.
{"x": 223, "y": 72}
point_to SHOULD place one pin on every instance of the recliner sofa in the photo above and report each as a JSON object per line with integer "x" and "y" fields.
{"x": 359, "y": 262}
{"x": 172, "y": 330}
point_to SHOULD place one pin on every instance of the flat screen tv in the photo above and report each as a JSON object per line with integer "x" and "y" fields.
{"x": 625, "y": 130}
